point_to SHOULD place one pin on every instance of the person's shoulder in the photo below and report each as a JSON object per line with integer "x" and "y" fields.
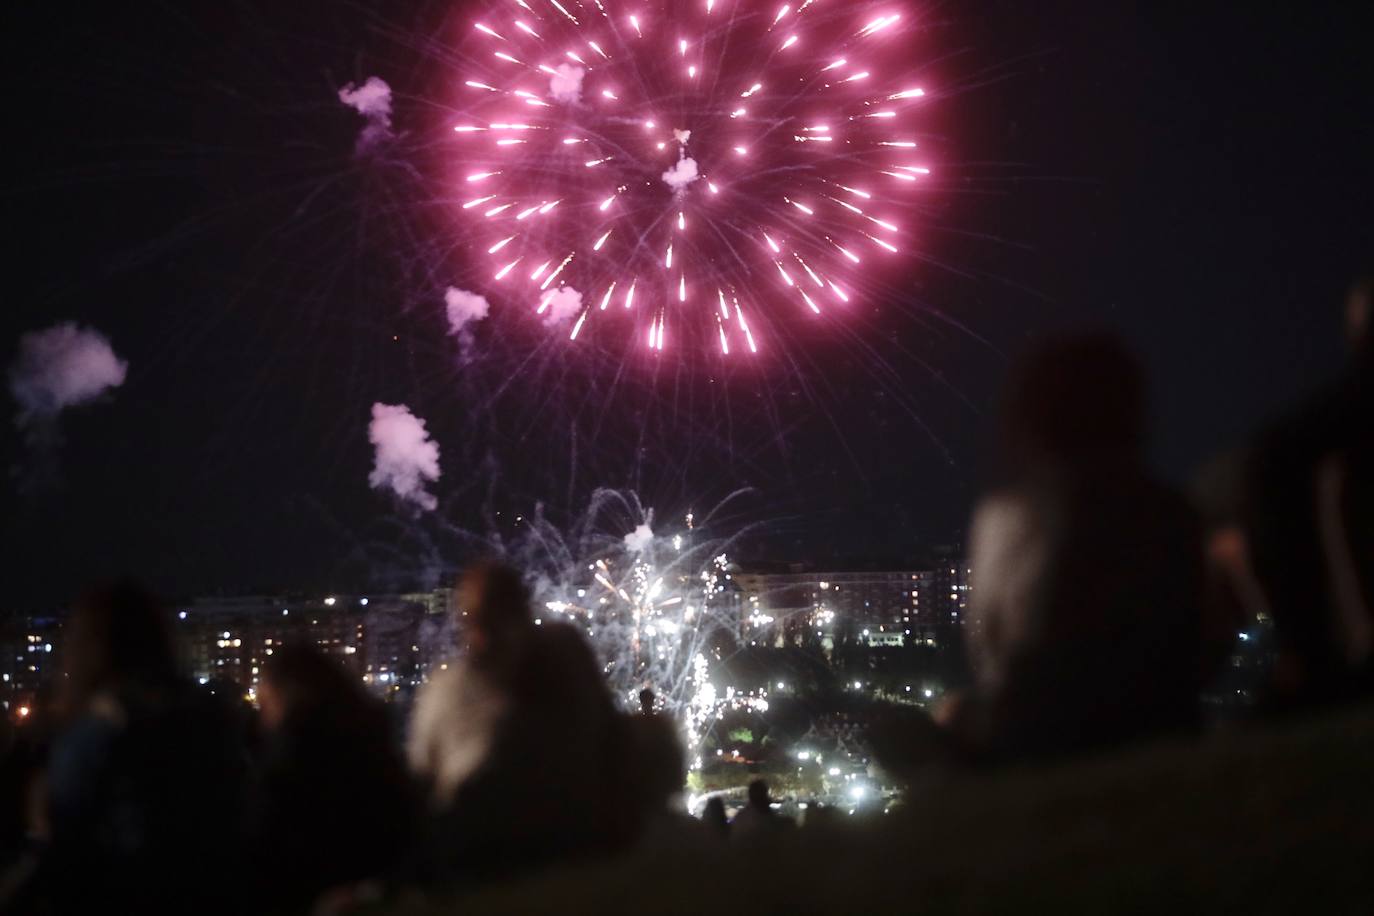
{"x": 554, "y": 630}
{"x": 83, "y": 748}
{"x": 562, "y": 639}
{"x": 561, "y": 659}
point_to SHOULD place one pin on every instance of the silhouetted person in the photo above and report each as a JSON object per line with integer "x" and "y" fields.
{"x": 1310, "y": 527}
{"x": 657, "y": 756}
{"x": 331, "y": 804}
{"x": 516, "y": 739}
{"x": 713, "y": 816}
{"x": 758, "y": 819}
{"x": 656, "y": 771}
{"x": 1084, "y": 624}
{"x": 145, "y": 784}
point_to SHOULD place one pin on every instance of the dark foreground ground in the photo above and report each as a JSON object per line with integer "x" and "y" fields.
{"x": 1278, "y": 820}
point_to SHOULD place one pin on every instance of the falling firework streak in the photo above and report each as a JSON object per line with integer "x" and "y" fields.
{"x": 708, "y": 159}
{"x": 659, "y": 608}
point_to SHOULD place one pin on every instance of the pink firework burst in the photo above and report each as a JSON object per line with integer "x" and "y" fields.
{"x": 695, "y": 171}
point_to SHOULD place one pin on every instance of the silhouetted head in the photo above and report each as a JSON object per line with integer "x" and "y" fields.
{"x": 646, "y": 701}
{"x": 1359, "y": 315}
{"x": 714, "y": 813}
{"x": 1074, "y": 400}
{"x": 118, "y": 637}
{"x": 758, "y": 795}
{"x": 496, "y": 606}
{"x": 300, "y": 682}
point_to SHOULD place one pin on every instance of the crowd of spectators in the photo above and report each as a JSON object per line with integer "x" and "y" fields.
{"x": 1105, "y": 601}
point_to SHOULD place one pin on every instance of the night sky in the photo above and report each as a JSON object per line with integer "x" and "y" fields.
{"x": 1195, "y": 177}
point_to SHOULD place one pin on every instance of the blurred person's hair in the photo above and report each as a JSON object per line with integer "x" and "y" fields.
{"x": 307, "y": 682}
{"x": 119, "y": 635}
{"x": 502, "y": 600}
{"x": 498, "y": 619}
{"x": 1072, "y": 399}
{"x": 713, "y": 815}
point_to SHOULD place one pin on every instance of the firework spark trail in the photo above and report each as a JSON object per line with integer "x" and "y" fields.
{"x": 657, "y": 606}
{"x": 693, "y": 155}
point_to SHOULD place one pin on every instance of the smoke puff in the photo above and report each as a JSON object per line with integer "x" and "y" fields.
{"x": 566, "y": 83}
{"x": 60, "y": 367}
{"x": 464, "y": 308}
{"x": 560, "y": 305}
{"x": 682, "y": 174}
{"x": 638, "y": 541}
{"x": 372, "y": 100}
{"x": 406, "y": 458}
